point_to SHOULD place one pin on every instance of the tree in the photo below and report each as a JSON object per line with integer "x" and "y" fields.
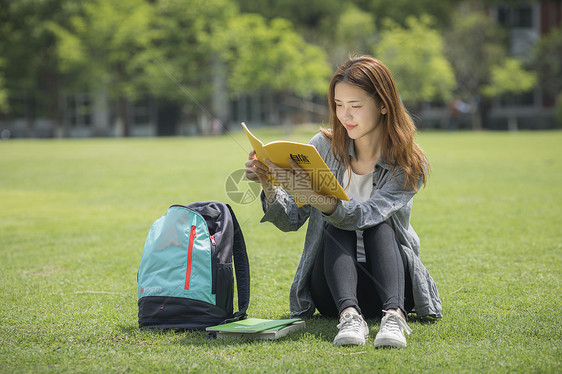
{"x": 354, "y": 34}
{"x": 311, "y": 15}
{"x": 510, "y": 78}
{"x": 29, "y": 66}
{"x": 102, "y": 49}
{"x": 400, "y": 10}
{"x": 183, "y": 68}
{"x": 184, "y": 46}
{"x": 415, "y": 56}
{"x": 317, "y": 18}
{"x": 272, "y": 55}
{"x": 473, "y": 45}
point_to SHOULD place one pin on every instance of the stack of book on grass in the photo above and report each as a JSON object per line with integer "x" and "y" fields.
{"x": 255, "y": 328}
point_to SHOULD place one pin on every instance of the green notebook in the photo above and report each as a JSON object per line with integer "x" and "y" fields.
{"x": 253, "y": 325}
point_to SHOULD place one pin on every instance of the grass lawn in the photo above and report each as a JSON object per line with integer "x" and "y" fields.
{"x": 74, "y": 215}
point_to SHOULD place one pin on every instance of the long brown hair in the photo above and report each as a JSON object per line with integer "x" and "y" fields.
{"x": 398, "y": 130}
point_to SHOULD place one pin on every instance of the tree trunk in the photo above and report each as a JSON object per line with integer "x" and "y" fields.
{"x": 123, "y": 105}
{"x": 61, "y": 129}
{"x": 220, "y": 99}
{"x": 476, "y": 117}
{"x": 512, "y": 124}
{"x": 30, "y": 115}
{"x": 273, "y": 109}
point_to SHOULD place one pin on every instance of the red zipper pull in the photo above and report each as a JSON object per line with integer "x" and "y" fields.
{"x": 213, "y": 240}
{"x": 192, "y": 236}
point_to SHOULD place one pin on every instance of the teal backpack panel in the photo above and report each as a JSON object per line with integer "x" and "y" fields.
{"x": 176, "y": 259}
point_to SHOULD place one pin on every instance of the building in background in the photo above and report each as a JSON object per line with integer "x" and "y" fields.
{"x": 526, "y": 23}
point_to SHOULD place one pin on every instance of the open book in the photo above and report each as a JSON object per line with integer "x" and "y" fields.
{"x": 255, "y": 328}
{"x": 306, "y": 156}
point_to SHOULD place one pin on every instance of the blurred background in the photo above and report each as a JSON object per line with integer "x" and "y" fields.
{"x": 110, "y": 68}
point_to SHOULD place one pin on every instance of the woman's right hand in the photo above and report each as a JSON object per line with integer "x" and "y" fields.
{"x": 259, "y": 172}
{"x": 256, "y": 171}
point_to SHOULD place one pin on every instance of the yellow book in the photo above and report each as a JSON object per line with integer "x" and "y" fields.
{"x": 306, "y": 156}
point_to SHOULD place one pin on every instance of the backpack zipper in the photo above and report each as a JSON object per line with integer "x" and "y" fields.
{"x": 189, "y": 257}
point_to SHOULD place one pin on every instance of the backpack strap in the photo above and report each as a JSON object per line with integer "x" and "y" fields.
{"x": 241, "y": 267}
{"x": 211, "y": 211}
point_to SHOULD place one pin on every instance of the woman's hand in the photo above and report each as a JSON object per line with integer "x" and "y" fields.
{"x": 256, "y": 171}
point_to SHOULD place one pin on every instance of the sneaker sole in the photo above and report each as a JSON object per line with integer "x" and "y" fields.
{"x": 349, "y": 340}
{"x": 389, "y": 342}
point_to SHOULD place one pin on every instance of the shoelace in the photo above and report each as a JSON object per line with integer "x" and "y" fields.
{"x": 394, "y": 322}
{"x": 350, "y": 321}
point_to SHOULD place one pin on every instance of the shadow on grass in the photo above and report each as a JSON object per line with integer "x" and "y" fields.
{"x": 317, "y": 328}
{"x": 426, "y": 320}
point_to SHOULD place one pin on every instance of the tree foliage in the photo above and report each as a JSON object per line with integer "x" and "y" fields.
{"x": 103, "y": 47}
{"x": 103, "y": 43}
{"x": 354, "y": 33}
{"x": 183, "y": 50}
{"x": 271, "y": 55}
{"x": 509, "y": 78}
{"x": 131, "y": 47}
{"x": 473, "y": 44}
{"x": 400, "y": 10}
{"x": 415, "y": 56}
{"x": 27, "y": 48}
{"x": 324, "y": 14}
{"x": 311, "y": 14}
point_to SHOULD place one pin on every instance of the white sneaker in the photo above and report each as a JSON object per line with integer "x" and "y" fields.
{"x": 392, "y": 330}
{"x": 353, "y": 329}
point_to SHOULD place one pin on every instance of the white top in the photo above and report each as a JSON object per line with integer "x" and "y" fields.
{"x": 359, "y": 188}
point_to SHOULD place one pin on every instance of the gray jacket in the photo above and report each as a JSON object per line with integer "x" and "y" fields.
{"x": 389, "y": 202}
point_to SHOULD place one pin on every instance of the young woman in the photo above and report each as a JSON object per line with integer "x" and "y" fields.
{"x": 361, "y": 257}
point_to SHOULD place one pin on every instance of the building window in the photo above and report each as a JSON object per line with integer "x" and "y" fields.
{"x": 141, "y": 111}
{"x": 520, "y": 17}
{"x": 520, "y": 100}
{"x": 78, "y": 110}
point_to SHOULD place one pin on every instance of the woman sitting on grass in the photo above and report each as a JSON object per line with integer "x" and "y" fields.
{"x": 360, "y": 257}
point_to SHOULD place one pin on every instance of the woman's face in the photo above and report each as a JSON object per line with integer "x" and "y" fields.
{"x": 358, "y": 112}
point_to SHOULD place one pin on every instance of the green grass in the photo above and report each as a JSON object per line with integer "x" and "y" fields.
{"x": 74, "y": 215}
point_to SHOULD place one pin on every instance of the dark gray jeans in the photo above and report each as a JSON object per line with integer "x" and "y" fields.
{"x": 338, "y": 281}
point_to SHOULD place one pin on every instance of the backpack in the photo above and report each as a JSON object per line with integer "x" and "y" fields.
{"x": 185, "y": 278}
